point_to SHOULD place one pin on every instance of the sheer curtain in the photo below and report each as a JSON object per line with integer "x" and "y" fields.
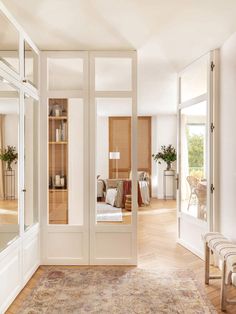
{"x": 184, "y": 159}
{"x": 1, "y": 162}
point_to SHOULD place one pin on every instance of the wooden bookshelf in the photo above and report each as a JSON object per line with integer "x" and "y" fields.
{"x": 59, "y": 143}
{"x": 58, "y": 160}
{"x": 58, "y": 118}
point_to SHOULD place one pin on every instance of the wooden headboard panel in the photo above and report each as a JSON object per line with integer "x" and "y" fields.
{"x": 120, "y": 140}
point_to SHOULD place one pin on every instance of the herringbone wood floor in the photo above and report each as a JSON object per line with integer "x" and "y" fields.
{"x": 157, "y": 249}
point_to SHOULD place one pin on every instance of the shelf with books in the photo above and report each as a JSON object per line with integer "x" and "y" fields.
{"x": 58, "y": 160}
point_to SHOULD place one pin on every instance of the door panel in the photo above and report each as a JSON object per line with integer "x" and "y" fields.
{"x": 195, "y": 147}
{"x": 65, "y": 225}
{"x": 113, "y": 117}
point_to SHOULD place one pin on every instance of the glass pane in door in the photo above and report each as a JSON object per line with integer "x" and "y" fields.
{"x": 31, "y": 162}
{"x": 113, "y": 74}
{"x": 194, "y": 160}
{"x": 193, "y": 81}
{"x": 65, "y": 73}
{"x": 9, "y": 43}
{"x": 9, "y": 165}
{"x": 113, "y": 152}
{"x": 66, "y": 161}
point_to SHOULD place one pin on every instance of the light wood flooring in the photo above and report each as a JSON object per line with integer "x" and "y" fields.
{"x": 8, "y": 212}
{"x": 157, "y": 249}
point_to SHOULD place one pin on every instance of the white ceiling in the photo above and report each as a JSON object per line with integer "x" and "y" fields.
{"x": 168, "y": 34}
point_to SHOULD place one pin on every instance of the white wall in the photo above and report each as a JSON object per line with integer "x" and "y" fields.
{"x": 164, "y": 132}
{"x": 227, "y": 175}
{"x": 102, "y": 147}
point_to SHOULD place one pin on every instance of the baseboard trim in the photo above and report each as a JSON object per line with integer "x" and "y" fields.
{"x": 191, "y": 248}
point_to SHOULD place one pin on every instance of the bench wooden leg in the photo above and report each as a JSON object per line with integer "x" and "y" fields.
{"x": 223, "y": 288}
{"x": 207, "y": 264}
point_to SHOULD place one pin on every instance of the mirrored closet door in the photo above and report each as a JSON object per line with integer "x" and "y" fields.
{"x": 115, "y": 193}
{"x": 19, "y": 168}
{"x": 89, "y": 174}
{"x": 9, "y": 163}
{"x": 65, "y": 139}
{"x": 9, "y": 45}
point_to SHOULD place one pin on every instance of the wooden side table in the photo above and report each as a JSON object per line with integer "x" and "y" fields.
{"x": 128, "y": 202}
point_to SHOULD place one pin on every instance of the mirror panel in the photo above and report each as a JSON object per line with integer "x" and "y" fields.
{"x": 194, "y": 80}
{"x": 113, "y": 164}
{"x": 9, "y": 43}
{"x": 31, "y": 162}
{"x": 113, "y": 74}
{"x": 9, "y": 166}
{"x": 65, "y": 74}
{"x": 31, "y": 64}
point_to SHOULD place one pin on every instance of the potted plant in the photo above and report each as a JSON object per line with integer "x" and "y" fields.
{"x": 9, "y": 155}
{"x": 167, "y": 154}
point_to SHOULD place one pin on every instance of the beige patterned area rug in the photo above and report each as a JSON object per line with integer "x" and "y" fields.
{"x": 115, "y": 290}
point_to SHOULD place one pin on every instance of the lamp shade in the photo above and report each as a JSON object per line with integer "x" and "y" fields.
{"x": 114, "y": 155}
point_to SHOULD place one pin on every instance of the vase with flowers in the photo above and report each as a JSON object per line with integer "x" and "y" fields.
{"x": 167, "y": 154}
{"x": 9, "y": 155}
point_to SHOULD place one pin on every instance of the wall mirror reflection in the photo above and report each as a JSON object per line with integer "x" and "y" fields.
{"x": 9, "y": 165}
{"x": 194, "y": 158}
{"x": 9, "y": 43}
{"x": 113, "y": 150}
{"x": 31, "y": 161}
{"x": 31, "y": 65}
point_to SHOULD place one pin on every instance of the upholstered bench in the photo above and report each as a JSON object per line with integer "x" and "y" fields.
{"x": 225, "y": 251}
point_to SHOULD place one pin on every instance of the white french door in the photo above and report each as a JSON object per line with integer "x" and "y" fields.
{"x": 113, "y": 94}
{"x": 81, "y": 91}
{"x": 64, "y": 157}
{"x": 196, "y": 162}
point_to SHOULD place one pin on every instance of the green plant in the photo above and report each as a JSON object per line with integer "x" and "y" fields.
{"x": 9, "y": 155}
{"x": 167, "y": 154}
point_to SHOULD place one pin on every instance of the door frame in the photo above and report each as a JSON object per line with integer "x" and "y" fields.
{"x": 212, "y": 99}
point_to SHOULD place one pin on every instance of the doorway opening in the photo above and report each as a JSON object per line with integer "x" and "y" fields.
{"x": 190, "y": 211}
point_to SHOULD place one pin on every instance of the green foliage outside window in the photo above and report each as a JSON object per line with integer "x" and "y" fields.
{"x": 195, "y": 154}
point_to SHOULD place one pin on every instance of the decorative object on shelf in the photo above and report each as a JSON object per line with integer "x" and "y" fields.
{"x": 9, "y": 155}
{"x": 57, "y": 110}
{"x": 57, "y": 182}
{"x": 61, "y": 132}
{"x": 167, "y": 154}
{"x": 50, "y": 183}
